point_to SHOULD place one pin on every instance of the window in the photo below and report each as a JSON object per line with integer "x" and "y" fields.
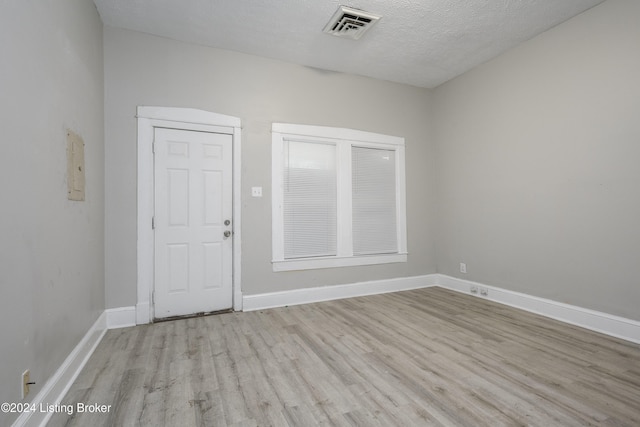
{"x": 338, "y": 198}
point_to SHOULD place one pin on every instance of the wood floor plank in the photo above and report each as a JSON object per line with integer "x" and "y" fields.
{"x": 427, "y": 357}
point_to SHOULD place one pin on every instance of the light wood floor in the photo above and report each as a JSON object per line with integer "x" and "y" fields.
{"x": 424, "y": 357}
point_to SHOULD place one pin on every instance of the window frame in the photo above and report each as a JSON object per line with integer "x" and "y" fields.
{"x": 343, "y": 139}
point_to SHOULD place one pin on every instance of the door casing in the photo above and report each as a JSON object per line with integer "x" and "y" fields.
{"x": 186, "y": 119}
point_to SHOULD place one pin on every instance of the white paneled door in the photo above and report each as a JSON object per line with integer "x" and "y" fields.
{"x": 193, "y": 229}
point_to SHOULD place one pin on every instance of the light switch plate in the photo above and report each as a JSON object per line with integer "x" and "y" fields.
{"x": 256, "y": 191}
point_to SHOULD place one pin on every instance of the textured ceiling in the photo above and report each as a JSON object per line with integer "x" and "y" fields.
{"x": 418, "y": 42}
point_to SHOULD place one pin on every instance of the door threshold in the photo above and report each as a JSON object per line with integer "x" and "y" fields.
{"x": 191, "y": 316}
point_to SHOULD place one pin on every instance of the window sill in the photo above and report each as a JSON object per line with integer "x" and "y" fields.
{"x": 333, "y": 262}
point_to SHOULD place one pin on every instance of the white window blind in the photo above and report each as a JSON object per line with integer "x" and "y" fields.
{"x": 309, "y": 199}
{"x": 374, "y": 201}
{"x": 338, "y": 198}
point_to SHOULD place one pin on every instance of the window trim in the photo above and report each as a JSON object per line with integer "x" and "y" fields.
{"x": 343, "y": 139}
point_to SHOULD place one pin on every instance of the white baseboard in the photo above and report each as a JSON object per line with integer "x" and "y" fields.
{"x": 121, "y": 317}
{"x": 327, "y": 293}
{"x": 55, "y": 389}
{"x": 608, "y": 324}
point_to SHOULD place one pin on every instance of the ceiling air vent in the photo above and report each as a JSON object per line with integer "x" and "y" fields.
{"x": 350, "y": 23}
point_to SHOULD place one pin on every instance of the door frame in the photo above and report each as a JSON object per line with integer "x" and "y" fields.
{"x": 191, "y": 119}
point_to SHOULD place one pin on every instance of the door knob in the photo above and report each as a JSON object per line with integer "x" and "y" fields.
{"x": 227, "y": 234}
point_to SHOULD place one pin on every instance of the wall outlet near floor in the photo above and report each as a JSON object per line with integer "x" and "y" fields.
{"x": 26, "y": 379}
{"x": 484, "y": 292}
{"x": 463, "y": 267}
{"x": 473, "y": 289}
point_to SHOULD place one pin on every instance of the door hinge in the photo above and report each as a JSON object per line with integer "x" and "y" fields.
{"x": 153, "y": 222}
{"x": 153, "y": 147}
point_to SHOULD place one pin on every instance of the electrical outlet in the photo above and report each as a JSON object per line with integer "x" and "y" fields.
{"x": 26, "y": 379}
{"x": 473, "y": 289}
{"x": 463, "y": 267}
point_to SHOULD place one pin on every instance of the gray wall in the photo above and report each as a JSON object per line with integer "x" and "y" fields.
{"x": 52, "y": 253}
{"x": 538, "y": 165}
{"x": 147, "y": 70}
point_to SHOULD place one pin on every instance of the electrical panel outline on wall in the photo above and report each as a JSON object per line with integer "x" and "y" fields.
{"x": 75, "y": 166}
